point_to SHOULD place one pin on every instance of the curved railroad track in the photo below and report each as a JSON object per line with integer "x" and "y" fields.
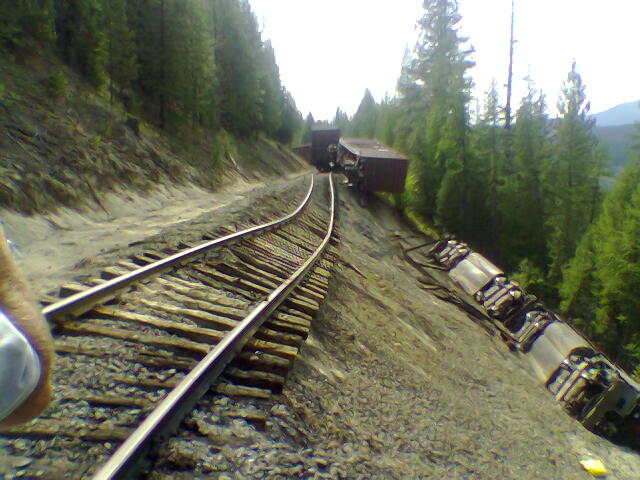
{"x": 137, "y": 348}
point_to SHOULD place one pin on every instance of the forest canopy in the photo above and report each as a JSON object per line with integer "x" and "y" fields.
{"x": 180, "y": 64}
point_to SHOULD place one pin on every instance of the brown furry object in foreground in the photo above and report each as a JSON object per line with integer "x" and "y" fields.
{"x": 17, "y": 301}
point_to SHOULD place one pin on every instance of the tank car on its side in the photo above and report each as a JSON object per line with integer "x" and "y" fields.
{"x": 593, "y": 389}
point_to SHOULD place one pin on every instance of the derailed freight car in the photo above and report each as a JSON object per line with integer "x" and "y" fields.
{"x": 369, "y": 165}
{"x": 324, "y": 146}
{"x": 592, "y": 388}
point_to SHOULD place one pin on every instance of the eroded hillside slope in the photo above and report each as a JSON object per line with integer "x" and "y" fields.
{"x": 62, "y": 143}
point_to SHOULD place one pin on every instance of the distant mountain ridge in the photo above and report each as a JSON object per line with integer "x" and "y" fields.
{"x": 623, "y": 114}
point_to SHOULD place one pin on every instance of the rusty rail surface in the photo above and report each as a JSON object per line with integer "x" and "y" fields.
{"x": 127, "y": 460}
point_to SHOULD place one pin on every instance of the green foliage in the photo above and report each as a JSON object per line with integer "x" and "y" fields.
{"x": 23, "y": 24}
{"x": 601, "y": 284}
{"x": 183, "y": 64}
{"x": 523, "y": 231}
{"x": 309, "y": 122}
{"x": 435, "y": 79}
{"x": 81, "y": 38}
{"x": 238, "y": 53}
{"x": 57, "y": 85}
{"x": 571, "y": 178}
{"x": 532, "y": 279}
{"x": 291, "y": 127}
{"x": 121, "y": 64}
{"x": 341, "y": 120}
{"x": 364, "y": 121}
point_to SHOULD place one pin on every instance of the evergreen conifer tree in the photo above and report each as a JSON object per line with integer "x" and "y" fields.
{"x": 364, "y": 121}
{"x": 291, "y": 126}
{"x": 22, "y": 22}
{"x": 437, "y": 73}
{"x": 81, "y": 37}
{"x": 238, "y": 47}
{"x": 601, "y": 285}
{"x": 523, "y": 231}
{"x": 120, "y": 50}
{"x": 309, "y": 122}
{"x": 488, "y": 148}
{"x": 571, "y": 177}
{"x": 341, "y": 120}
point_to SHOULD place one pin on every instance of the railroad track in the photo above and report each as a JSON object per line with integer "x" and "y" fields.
{"x": 137, "y": 348}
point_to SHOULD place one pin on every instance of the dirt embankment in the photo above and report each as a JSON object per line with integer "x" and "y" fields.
{"x": 63, "y": 144}
{"x": 79, "y": 176}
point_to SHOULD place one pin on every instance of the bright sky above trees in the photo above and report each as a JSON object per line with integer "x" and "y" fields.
{"x": 330, "y": 51}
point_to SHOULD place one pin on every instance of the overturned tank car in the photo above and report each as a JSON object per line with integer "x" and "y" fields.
{"x": 591, "y": 387}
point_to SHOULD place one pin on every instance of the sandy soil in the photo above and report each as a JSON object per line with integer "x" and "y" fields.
{"x": 53, "y": 248}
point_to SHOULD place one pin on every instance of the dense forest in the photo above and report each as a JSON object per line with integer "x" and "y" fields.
{"x": 179, "y": 64}
{"x": 526, "y": 191}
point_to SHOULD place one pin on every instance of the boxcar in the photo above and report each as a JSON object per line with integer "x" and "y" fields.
{"x": 371, "y": 166}
{"x": 324, "y": 143}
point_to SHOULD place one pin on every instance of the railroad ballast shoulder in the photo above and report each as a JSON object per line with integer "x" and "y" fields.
{"x": 592, "y": 388}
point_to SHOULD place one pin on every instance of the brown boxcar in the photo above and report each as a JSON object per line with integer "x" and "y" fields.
{"x": 324, "y": 142}
{"x": 372, "y": 166}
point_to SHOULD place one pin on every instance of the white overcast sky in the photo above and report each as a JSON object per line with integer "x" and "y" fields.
{"x": 329, "y": 51}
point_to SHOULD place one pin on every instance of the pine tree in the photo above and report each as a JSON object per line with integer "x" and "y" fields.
{"x": 309, "y": 122}
{"x": 572, "y": 176}
{"x": 292, "y": 123}
{"x": 81, "y": 38}
{"x": 190, "y": 70}
{"x": 23, "y": 22}
{"x": 364, "y": 121}
{"x": 438, "y": 74}
{"x": 389, "y": 115}
{"x": 237, "y": 50}
{"x": 488, "y": 147}
{"x": 272, "y": 101}
{"x": 523, "y": 231}
{"x": 601, "y": 285}
{"x": 341, "y": 120}
{"x": 121, "y": 59}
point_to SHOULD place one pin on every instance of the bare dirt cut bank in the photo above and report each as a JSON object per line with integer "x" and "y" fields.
{"x": 63, "y": 144}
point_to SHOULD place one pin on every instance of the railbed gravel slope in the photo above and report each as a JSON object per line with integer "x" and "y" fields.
{"x": 393, "y": 383}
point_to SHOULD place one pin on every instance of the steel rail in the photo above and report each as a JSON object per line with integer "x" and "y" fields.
{"x": 84, "y": 301}
{"x": 126, "y": 461}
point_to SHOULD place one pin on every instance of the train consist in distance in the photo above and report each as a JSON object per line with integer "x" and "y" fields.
{"x": 369, "y": 165}
{"x": 594, "y": 390}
